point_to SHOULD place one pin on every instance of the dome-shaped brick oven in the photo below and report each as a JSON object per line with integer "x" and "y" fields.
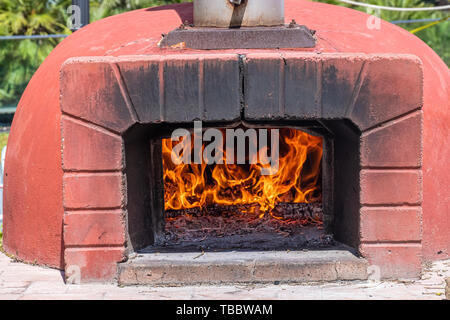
{"x": 68, "y": 196}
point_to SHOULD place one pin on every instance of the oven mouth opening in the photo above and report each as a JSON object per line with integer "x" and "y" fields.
{"x": 266, "y": 196}
{"x": 230, "y": 240}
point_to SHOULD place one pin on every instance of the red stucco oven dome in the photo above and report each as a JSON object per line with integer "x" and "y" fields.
{"x": 33, "y": 204}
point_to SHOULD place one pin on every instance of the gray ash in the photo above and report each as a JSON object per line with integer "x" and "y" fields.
{"x": 243, "y": 226}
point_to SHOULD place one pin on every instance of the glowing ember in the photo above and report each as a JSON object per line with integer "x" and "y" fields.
{"x": 234, "y": 227}
{"x": 200, "y": 185}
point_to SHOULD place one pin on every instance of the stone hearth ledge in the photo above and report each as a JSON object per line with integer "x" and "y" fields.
{"x": 192, "y": 268}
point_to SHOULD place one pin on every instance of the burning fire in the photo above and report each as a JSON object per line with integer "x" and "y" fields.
{"x": 297, "y": 180}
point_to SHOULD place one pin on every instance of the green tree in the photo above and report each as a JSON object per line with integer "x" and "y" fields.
{"x": 20, "y": 58}
{"x": 102, "y": 9}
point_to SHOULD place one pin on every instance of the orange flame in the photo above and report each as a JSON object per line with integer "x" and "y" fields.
{"x": 297, "y": 180}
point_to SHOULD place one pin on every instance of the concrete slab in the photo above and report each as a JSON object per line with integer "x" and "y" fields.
{"x": 14, "y": 286}
{"x": 188, "y": 268}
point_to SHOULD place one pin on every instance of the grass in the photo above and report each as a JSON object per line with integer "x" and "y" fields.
{"x": 3, "y": 139}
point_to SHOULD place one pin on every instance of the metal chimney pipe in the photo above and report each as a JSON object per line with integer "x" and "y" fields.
{"x": 238, "y": 13}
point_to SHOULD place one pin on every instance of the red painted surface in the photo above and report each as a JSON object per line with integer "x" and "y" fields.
{"x": 33, "y": 190}
{"x": 390, "y": 256}
{"x": 404, "y": 224}
{"x": 391, "y": 186}
{"x": 377, "y": 144}
{"x": 80, "y": 156}
{"x": 105, "y": 229}
{"x": 87, "y": 191}
{"x": 93, "y": 264}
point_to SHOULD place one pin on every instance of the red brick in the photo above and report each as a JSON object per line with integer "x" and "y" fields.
{"x": 340, "y": 76}
{"x": 94, "y": 190}
{"x": 90, "y": 90}
{"x": 221, "y": 87}
{"x": 391, "y": 87}
{"x": 88, "y": 148}
{"x": 94, "y": 264}
{"x": 394, "y": 261}
{"x": 301, "y": 73}
{"x": 193, "y": 86}
{"x": 397, "y": 144}
{"x": 262, "y": 86}
{"x": 143, "y": 84}
{"x": 391, "y": 224}
{"x": 181, "y": 90}
{"x": 91, "y": 228}
{"x": 391, "y": 186}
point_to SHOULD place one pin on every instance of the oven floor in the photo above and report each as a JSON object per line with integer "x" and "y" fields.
{"x": 307, "y": 237}
{"x": 229, "y": 227}
{"x": 218, "y": 267}
{"x": 292, "y": 226}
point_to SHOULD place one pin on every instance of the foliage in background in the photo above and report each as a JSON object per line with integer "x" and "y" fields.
{"x": 3, "y": 139}
{"x": 19, "y": 59}
{"x": 106, "y": 8}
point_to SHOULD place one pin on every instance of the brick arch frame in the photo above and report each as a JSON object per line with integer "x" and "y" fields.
{"x": 102, "y": 97}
